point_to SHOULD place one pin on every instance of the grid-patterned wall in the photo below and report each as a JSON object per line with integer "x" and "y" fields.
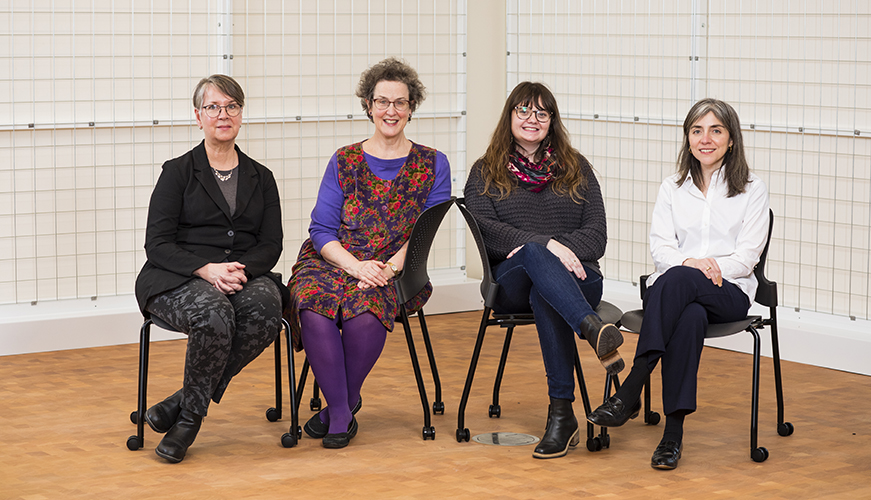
{"x": 797, "y": 71}
{"x": 95, "y": 96}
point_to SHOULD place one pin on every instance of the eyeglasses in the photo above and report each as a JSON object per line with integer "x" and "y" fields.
{"x": 399, "y": 104}
{"x": 213, "y": 110}
{"x": 524, "y": 112}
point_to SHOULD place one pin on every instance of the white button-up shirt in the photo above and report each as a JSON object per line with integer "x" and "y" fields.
{"x": 687, "y": 224}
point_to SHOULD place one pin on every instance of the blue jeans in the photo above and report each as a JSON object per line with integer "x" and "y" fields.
{"x": 534, "y": 280}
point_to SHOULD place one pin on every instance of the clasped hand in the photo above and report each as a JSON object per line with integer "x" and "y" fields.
{"x": 227, "y": 277}
{"x": 371, "y": 273}
{"x": 565, "y": 255}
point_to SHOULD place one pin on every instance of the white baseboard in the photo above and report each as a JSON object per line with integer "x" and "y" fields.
{"x": 805, "y": 337}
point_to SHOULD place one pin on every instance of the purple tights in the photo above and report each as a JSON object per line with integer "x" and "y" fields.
{"x": 341, "y": 360}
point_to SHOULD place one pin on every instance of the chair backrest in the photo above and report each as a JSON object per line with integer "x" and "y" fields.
{"x": 489, "y": 287}
{"x": 766, "y": 292}
{"x": 414, "y": 276}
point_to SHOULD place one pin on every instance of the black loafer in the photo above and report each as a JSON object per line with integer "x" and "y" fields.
{"x": 317, "y": 429}
{"x": 341, "y": 439}
{"x": 613, "y": 413}
{"x": 666, "y": 456}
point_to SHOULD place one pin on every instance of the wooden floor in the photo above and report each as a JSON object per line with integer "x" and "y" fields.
{"x": 64, "y": 424}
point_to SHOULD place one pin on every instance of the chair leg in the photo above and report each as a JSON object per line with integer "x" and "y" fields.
{"x": 428, "y": 429}
{"x": 783, "y": 428}
{"x": 757, "y": 453}
{"x": 292, "y": 437}
{"x": 603, "y": 440}
{"x": 650, "y": 417}
{"x": 462, "y": 431}
{"x": 303, "y": 375}
{"x": 315, "y": 403}
{"x": 495, "y": 408}
{"x": 138, "y": 441}
{"x": 438, "y": 406}
{"x": 274, "y": 414}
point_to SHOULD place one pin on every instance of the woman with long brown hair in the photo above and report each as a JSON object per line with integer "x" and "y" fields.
{"x": 539, "y": 207}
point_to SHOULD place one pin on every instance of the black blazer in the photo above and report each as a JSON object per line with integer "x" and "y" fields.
{"x": 189, "y": 224}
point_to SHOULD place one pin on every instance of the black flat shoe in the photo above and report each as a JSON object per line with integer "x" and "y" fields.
{"x": 176, "y": 442}
{"x": 317, "y": 429}
{"x": 666, "y": 456}
{"x": 613, "y": 413}
{"x": 163, "y": 415}
{"x": 341, "y": 439}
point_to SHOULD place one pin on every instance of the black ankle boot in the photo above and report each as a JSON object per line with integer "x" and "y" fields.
{"x": 561, "y": 432}
{"x": 180, "y": 437}
{"x": 605, "y": 338}
{"x": 161, "y": 416}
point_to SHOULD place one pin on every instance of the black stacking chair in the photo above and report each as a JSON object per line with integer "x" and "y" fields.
{"x": 766, "y": 295}
{"x": 489, "y": 288}
{"x": 408, "y": 283}
{"x": 272, "y": 414}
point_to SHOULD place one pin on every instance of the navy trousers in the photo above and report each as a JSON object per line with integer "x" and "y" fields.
{"x": 534, "y": 280}
{"x": 677, "y": 310}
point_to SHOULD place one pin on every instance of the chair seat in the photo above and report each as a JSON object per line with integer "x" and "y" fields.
{"x": 163, "y": 324}
{"x": 631, "y": 320}
{"x": 725, "y": 329}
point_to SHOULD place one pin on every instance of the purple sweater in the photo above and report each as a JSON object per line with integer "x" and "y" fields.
{"x": 327, "y": 214}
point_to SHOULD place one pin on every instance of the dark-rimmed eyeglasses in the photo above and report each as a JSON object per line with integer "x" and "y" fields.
{"x": 524, "y": 112}
{"x": 399, "y": 104}
{"x": 213, "y": 110}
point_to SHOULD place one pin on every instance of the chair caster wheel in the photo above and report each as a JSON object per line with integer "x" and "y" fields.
{"x": 606, "y": 441}
{"x": 429, "y": 433}
{"x": 134, "y": 417}
{"x": 652, "y": 418}
{"x": 463, "y": 435}
{"x": 133, "y": 443}
{"x": 759, "y": 454}
{"x": 495, "y": 411}
{"x": 315, "y": 404}
{"x": 288, "y": 440}
{"x": 594, "y": 444}
{"x": 273, "y": 414}
{"x": 785, "y": 429}
{"x": 438, "y": 408}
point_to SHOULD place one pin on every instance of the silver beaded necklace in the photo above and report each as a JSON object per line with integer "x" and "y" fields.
{"x": 223, "y": 177}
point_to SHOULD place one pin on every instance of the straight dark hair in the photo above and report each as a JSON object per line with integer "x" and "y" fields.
{"x": 736, "y": 171}
{"x": 569, "y": 178}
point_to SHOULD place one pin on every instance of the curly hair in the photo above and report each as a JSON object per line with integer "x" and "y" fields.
{"x": 570, "y": 177}
{"x": 226, "y": 84}
{"x": 390, "y": 70}
{"x": 737, "y": 171}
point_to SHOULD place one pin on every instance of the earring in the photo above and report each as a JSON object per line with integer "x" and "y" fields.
{"x": 730, "y": 148}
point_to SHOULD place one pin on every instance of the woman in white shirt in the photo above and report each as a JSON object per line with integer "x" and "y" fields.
{"x": 710, "y": 224}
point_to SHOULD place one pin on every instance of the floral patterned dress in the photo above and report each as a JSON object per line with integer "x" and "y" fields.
{"x": 377, "y": 218}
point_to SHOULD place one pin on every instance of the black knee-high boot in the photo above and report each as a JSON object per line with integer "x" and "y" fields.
{"x": 561, "y": 432}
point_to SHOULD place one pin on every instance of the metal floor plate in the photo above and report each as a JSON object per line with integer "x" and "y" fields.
{"x": 505, "y": 439}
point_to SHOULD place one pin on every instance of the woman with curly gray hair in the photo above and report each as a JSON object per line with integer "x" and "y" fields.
{"x": 342, "y": 299}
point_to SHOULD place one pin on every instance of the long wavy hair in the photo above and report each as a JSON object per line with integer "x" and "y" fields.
{"x": 569, "y": 179}
{"x": 736, "y": 170}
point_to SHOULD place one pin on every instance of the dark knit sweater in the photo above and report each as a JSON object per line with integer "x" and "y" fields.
{"x": 524, "y": 216}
